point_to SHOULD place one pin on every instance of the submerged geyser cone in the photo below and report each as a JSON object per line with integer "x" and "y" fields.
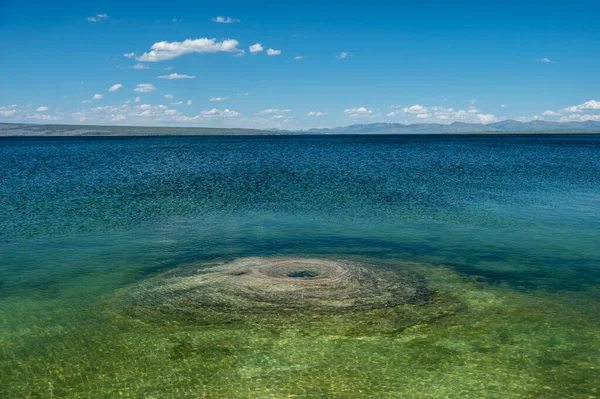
{"x": 279, "y": 284}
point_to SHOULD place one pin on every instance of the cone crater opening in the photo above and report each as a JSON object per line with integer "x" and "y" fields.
{"x": 303, "y": 274}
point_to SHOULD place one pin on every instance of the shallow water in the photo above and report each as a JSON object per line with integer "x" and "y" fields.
{"x": 505, "y": 229}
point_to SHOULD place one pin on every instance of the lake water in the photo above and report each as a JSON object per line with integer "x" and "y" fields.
{"x": 504, "y": 229}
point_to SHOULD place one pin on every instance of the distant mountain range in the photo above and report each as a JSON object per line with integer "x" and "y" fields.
{"x": 507, "y": 126}
{"x": 460, "y": 127}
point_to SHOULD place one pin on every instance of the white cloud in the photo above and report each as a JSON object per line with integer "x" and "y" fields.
{"x": 358, "y": 112}
{"x": 98, "y": 96}
{"x": 177, "y": 103}
{"x": 176, "y": 20}
{"x": 189, "y": 102}
{"x": 473, "y": 101}
{"x": 273, "y": 52}
{"x": 442, "y": 114}
{"x": 169, "y": 96}
{"x": 342, "y": 55}
{"x": 86, "y": 101}
{"x": 256, "y": 48}
{"x": 551, "y": 113}
{"x": 7, "y": 111}
{"x": 117, "y": 118}
{"x": 503, "y": 106}
{"x": 137, "y": 100}
{"x": 579, "y": 118}
{"x": 42, "y": 117}
{"x": 316, "y": 113}
{"x": 299, "y": 57}
{"x": 589, "y": 105}
{"x": 15, "y": 112}
{"x": 269, "y": 120}
{"x": 176, "y": 76}
{"x": 144, "y": 88}
{"x": 139, "y": 114}
{"x": 486, "y": 118}
{"x": 116, "y": 87}
{"x": 225, "y": 20}
{"x": 545, "y": 60}
{"x": 217, "y": 113}
{"x": 162, "y": 51}
{"x": 106, "y": 114}
{"x": 97, "y": 18}
{"x": 415, "y": 109}
{"x": 139, "y": 65}
{"x": 271, "y": 111}
{"x": 168, "y": 68}
{"x": 129, "y": 55}
{"x": 589, "y": 110}
{"x": 218, "y": 99}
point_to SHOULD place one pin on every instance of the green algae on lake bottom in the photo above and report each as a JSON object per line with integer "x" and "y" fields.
{"x": 470, "y": 339}
{"x": 467, "y": 339}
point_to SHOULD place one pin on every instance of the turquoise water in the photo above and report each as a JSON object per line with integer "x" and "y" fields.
{"x": 505, "y": 230}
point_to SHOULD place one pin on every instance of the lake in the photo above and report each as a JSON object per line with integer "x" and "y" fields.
{"x": 503, "y": 232}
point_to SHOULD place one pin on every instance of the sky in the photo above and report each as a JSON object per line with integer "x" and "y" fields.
{"x": 298, "y": 64}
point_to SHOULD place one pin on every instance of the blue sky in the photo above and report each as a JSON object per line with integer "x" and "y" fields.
{"x": 317, "y": 64}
